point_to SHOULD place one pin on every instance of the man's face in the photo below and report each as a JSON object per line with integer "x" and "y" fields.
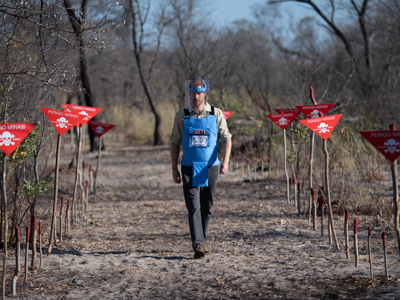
{"x": 197, "y": 99}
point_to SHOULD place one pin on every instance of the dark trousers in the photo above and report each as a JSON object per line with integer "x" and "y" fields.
{"x": 199, "y": 202}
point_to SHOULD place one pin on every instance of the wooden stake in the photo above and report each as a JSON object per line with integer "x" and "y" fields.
{"x": 87, "y": 194}
{"x": 61, "y": 222}
{"x": 294, "y": 189}
{"x": 26, "y": 253}
{"x": 284, "y": 165}
{"x": 355, "y": 244}
{"x": 78, "y": 165}
{"x": 34, "y": 238}
{"x": 298, "y": 199}
{"x": 55, "y": 225}
{"x": 80, "y": 198}
{"x": 5, "y": 218}
{"x": 369, "y": 250}
{"x": 329, "y": 231}
{"x": 328, "y": 194}
{"x": 17, "y": 261}
{"x": 40, "y": 242}
{"x": 396, "y": 204}
{"x": 384, "y": 254}
{"x": 314, "y": 209}
{"x": 53, "y": 218}
{"x": 304, "y": 198}
{"x": 321, "y": 203}
{"x": 98, "y": 166}
{"x": 67, "y": 218}
{"x": 346, "y": 232}
{"x": 91, "y": 178}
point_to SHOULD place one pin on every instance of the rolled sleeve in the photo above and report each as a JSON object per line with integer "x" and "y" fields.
{"x": 176, "y": 136}
{"x": 223, "y": 130}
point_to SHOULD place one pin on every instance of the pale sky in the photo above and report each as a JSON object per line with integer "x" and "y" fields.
{"x": 224, "y": 12}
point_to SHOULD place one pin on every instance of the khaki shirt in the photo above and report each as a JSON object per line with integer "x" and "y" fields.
{"x": 223, "y": 131}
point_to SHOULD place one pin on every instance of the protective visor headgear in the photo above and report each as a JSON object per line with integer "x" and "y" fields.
{"x": 196, "y": 85}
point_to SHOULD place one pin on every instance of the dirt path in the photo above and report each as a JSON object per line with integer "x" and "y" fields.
{"x": 134, "y": 244}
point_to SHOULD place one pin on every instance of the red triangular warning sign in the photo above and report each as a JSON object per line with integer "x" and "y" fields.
{"x": 87, "y": 112}
{"x": 12, "y": 134}
{"x": 100, "y": 128}
{"x": 322, "y": 126}
{"x": 287, "y": 110}
{"x": 314, "y": 110}
{"x": 386, "y": 141}
{"x": 227, "y": 114}
{"x": 282, "y": 120}
{"x": 62, "y": 121}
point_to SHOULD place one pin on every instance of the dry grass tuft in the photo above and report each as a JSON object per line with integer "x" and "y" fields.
{"x": 138, "y": 125}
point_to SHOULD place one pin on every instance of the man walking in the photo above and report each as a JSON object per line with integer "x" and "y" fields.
{"x": 198, "y": 128}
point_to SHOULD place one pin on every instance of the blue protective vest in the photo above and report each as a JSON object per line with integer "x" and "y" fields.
{"x": 200, "y": 144}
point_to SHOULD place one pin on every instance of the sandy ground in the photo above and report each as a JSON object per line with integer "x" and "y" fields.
{"x": 134, "y": 243}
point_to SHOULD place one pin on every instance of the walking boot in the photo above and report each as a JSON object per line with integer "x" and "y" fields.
{"x": 199, "y": 252}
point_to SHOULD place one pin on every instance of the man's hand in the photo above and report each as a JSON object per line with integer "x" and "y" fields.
{"x": 176, "y": 175}
{"x": 226, "y": 148}
{"x": 223, "y": 168}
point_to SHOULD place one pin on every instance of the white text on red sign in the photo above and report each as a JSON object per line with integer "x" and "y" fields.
{"x": 317, "y": 120}
{"x": 315, "y": 107}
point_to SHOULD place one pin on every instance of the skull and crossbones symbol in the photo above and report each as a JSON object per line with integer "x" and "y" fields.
{"x": 282, "y": 121}
{"x": 323, "y": 128}
{"x": 99, "y": 130}
{"x": 315, "y": 114}
{"x": 5, "y": 139}
{"x": 62, "y": 122}
{"x": 391, "y": 145}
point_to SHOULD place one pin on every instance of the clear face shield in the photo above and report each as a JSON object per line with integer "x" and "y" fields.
{"x": 204, "y": 88}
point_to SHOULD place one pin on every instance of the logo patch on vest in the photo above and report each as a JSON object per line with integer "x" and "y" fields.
{"x": 199, "y": 140}
{"x": 199, "y": 131}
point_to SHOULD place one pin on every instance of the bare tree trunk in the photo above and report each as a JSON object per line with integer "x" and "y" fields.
{"x": 33, "y": 241}
{"x": 5, "y": 228}
{"x": 137, "y": 52}
{"x": 77, "y": 23}
{"x": 328, "y": 195}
